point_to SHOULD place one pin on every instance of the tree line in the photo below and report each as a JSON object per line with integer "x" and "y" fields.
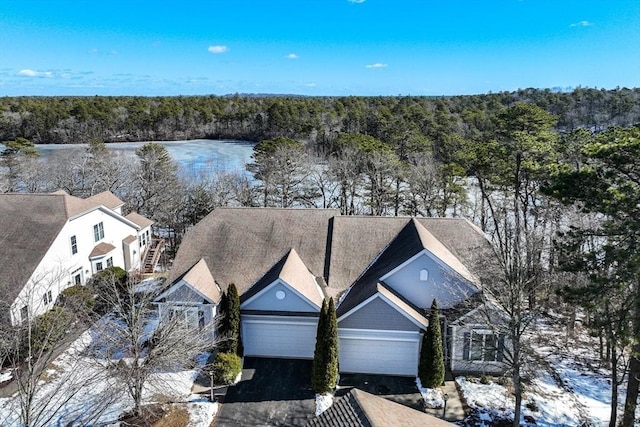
{"x": 63, "y": 120}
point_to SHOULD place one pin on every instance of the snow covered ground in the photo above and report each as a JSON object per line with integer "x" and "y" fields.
{"x": 77, "y": 389}
{"x": 568, "y": 388}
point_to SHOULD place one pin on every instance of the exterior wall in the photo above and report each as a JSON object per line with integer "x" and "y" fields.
{"x": 443, "y": 285}
{"x": 132, "y": 254}
{"x": 267, "y": 300}
{"x": 378, "y": 314}
{"x": 460, "y": 352}
{"x": 208, "y": 311}
{"x": 185, "y": 294}
{"x": 59, "y": 266}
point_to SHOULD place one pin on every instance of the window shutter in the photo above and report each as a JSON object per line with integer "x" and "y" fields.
{"x": 465, "y": 346}
{"x": 500, "y": 355}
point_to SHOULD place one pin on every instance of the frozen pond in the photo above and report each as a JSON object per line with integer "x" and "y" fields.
{"x": 197, "y": 154}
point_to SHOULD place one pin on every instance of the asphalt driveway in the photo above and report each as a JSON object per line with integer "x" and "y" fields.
{"x": 272, "y": 392}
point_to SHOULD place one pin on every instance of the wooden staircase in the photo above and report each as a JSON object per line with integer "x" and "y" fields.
{"x": 152, "y": 255}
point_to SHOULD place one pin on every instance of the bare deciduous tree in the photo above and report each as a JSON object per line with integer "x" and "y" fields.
{"x": 135, "y": 342}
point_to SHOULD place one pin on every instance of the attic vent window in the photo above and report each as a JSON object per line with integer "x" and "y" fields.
{"x": 424, "y": 275}
{"x": 280, "y": 295}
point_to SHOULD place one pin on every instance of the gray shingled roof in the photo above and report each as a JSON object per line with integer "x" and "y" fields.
{"x": 29, "y": 223}
{"x": 411, "y": 240}
{"x": 139, "y": 220}
{"x": 106, "y": 198}
{"x": 241, "y": 244}
{"x": 200, "y": 278}
{"x": 361, "y": 409}
{"x": 101, "y": 249}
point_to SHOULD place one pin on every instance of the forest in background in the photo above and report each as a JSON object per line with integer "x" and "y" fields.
{"x": 318, "y": 120}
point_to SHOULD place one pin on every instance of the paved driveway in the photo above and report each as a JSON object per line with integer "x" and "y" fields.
{"x": 272, "y": 392}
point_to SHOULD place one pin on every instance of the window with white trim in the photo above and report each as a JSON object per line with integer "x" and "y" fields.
{"x": 98, "y": 231}
{"x": 109, "y": 262}
{"x": 98, "y": 266}
{"x": 483, "y": 346}
{"x": 424, "y": 275}
{"x": 74, "y": 245}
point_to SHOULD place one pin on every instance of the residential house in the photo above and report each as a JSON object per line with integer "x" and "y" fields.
{"x": 384, "y": 273}
{"x": 49, "y": 242}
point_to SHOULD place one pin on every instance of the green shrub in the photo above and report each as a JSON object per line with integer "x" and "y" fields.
{"x": 49, "y": 328}
{"x": 103, "y": 285}
{"x": 431, "y": 369}
{"x": 226, "y": 368}
{"x": 230, "y": 324}
{"x": 77, "y": 298}
{"x": 485, "y": 380}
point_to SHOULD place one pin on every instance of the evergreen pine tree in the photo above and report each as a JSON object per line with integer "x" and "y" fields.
{"x": 317, "y": 375}
{"x": 431, "y": 368}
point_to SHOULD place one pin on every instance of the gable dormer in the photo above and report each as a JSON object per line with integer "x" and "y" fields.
{"x": 432, "y": 273}
{"x": 287, "y": 286}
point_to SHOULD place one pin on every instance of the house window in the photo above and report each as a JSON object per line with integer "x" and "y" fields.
{"x": 424, "y": 275}
{"x": 98, "y": 266}
{"x": 47, "y": 298}
{"x": 24, "y": 313}
{"x": 77, "y": 280}
{"x": 191, "y": 316}
{"x": 110, "y": 262}
{"x": 483, "y": 346}
{"x": 74, "y": 245}
{"x": 98, "y": 231}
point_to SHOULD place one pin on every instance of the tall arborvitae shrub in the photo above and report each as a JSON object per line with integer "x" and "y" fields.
{"x": 331, "y": 348}
{"x": 317, "y": 373}
{"x": 230, "y": 330}
{"x": 431, "y": 368}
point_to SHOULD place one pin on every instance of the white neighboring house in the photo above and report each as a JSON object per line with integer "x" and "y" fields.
{"x": 49, "y": 242}
{"x": 195, "y": 296}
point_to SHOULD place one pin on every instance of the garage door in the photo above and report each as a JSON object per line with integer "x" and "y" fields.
{"x": 273, "y": 336}
{"x": 389, "y": 353}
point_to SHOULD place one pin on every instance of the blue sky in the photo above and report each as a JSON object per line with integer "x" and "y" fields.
{"x": 315, "y": 47}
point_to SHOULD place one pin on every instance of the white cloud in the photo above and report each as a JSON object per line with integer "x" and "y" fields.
{"x": 582, "y": 24}
{"x": 93, "y": 51}
{"x": 377, "y": 65}
{"x": 310, "y": 85}
{"x": 217, "y": 49}
{"x": 292, "y": 56}
{"x": 32, "y": 73}
{"x": 356, "y": 1}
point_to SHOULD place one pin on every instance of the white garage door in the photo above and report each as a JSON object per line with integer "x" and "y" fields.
{"x": 389, "y": 353}
{"x": 273, "y": 336}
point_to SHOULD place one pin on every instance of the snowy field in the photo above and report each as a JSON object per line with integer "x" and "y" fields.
{"x": 76, "y": 391}
{"x": 568, "y": 389}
